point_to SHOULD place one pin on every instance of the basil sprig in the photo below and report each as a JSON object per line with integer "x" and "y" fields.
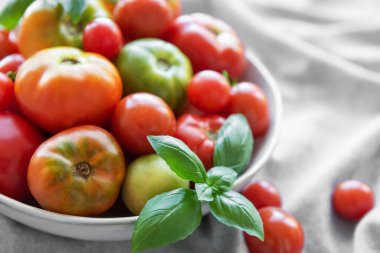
{"x": 74, "y": 8}
{"x": 12, "y": 12}
{"x": 172, "y": 216}
{"x": 234, "y": 145}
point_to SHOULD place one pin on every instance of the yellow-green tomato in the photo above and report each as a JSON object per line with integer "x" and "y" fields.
{"x": 147, "y": 177}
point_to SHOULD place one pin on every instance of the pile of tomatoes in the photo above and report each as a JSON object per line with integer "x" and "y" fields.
{"x": 78, "y": 100}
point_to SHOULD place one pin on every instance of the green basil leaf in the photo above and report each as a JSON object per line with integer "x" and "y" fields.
{"x": 12, "y": 12}
{"x": 221, "y": 178}
{"x": 204, "y": 192}
{"x": 234, "y": 145}
{"x": 232, "y": 209}
{"x": 74, "y": 8}
{"x": 167, "y": 218}
{"x": 179, "y": 157}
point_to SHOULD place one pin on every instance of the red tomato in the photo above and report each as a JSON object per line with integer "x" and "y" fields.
{"x": 102, "y": 36}
{"x": 11, "y": 63}
{"x": 250, "y": 100}
{"x": 7, "y": 95}
{"x": 262, "y": 194}
{"x": 146, "y": 18}
{"x": 282, "y": 233}
{"x": 209, "y": 43}
{"x": 200, "y": 134}
{"x": 209, "y": 91}
{"x": 352, "y": 199}
{"x": 8, "y": 43}
{"x": 139, "y": 115}
{"x": 18, "y": 141}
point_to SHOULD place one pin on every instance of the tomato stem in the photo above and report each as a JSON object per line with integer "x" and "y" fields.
{"x": 83, "y": 169}
{"x": 163, "y": 64}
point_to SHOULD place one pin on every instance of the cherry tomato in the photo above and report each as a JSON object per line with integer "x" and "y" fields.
{"x": 352, "y": 199}
{"x": 200, "y": 134}
{"x": 282, "y": 233}
{"x": 78, "y": 171}
{"x": 209, "y": 91}
{"x": 7, "y": 96}
{"x": 11, "y": 63}
{"x": 262, "y": 194}
{"x": 250, "y": 100}
{"x": 8, "y": 44}
{"x": 18, "y": 140}
{"x": 62, "y": 87}
{"x": 104, "y": 37}
{"x": 146, "y": 18}
{"x": 139, "y": 115}
{"x": 209, "y": 43}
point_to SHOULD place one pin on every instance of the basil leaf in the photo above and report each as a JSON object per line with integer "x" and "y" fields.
{"x": 167, "y": 218}
{"x": 179, "y": 157}
{"x": 204, "y": 192}
{"x": 74, "y": 8}
{"x": 232, "y": 209}
{"x": 11, "y": 14}
{"x": 221, "y": 178}
{"x": 234, "y": 145}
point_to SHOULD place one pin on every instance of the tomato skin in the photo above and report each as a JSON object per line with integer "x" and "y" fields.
{"x": 209, "y": 43}
{"x": 262, "y": 194}
{"x": 282, "y": 233}
{"x": 18, "y": 140}
{"x": 139, "y": 115}
{"x": 352, "y": 199}
{"x": 146, "y": 18}
{"x": 44, "y": 96}
{"x": 7, "y": 96}
{"x": 111, "y": 39}
{"x": 78, "y": 171}
{"x": 8, "y": 44}
{"x": 199, "y": 133}
{"x": 209, "y": 91}
{"x": 11, "y": 63}
{"x": 248, "y": 99}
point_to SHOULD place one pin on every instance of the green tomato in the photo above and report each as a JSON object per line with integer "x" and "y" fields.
{"x": 147, "y": 177}
{"x": 157, "y": 67}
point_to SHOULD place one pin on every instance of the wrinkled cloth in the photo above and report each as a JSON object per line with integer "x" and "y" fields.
{"x": 325, "y": 57}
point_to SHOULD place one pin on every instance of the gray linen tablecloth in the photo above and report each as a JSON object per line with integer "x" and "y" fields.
{"x": 325, "y": 56}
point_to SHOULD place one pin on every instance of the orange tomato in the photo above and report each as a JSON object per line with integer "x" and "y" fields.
{"x": 78, "y": 172}
{"x": 63, "y": 87}
{"x": 44, "y": 25}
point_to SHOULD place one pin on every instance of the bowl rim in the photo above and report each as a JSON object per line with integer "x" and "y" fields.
{"x": 268, "y": 146}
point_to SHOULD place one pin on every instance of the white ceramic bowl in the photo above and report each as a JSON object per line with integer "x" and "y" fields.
{"x": 120, "y": 228}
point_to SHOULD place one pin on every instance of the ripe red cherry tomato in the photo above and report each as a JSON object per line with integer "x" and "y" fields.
{"x": 262, "y": 194}
{"x": 209, "y": 43}
{"x": 146, "y": 18}
{"x": 139, "y": 115}
{"x": 11, "y": 63}
{"x": 352, "y": 199}
{"x": 8, "y": 43}
{"x": 7, "y": 95}
{"x": 250, "y": 100}
{"x": 200, "y": 134}
{"x": 209, "y": 91}
{"x": 104, "y": 37}
{"x": 282, "y": 233}
{"x": 18, "y": 141}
